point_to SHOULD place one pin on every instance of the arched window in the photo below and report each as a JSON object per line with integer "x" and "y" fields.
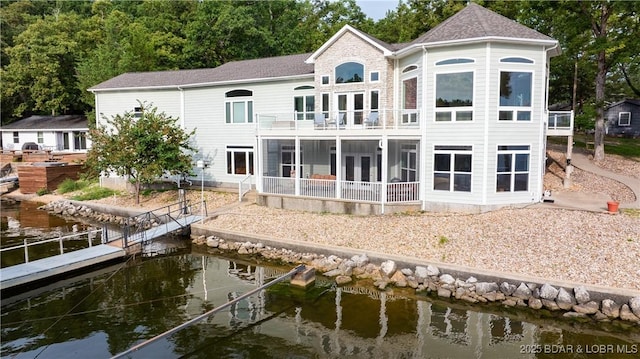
{"x": 305, "y": 87}
{"x": 238, "y": 106}
{"x": 409, "y": 68}
{"x": 239, "y": 93}
{"x": 349, "y": 72}
{"x": 455, "y": 61}
{"x": 517, "y": 60}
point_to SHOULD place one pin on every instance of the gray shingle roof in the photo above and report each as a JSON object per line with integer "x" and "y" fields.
{"x": 474, "y": 21}
{"x": 271, "y": 67}
{"x": 49, "y": 123}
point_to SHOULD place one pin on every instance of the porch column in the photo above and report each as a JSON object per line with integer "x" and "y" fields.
{"x": 258, "y": 165}
{"x": 338, "y": 167}
{"x": 422, "y": 178}
{"x": 297, "y": 167}
{"x": 72, "y": 142}
{"x": 385, "y": 170}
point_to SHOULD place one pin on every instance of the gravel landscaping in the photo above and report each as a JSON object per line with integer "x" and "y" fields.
{"x": 592, "y": 248}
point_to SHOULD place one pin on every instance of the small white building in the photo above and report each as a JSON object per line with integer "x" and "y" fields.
{"x": 455, "y": 120}
{"x": 65, "y": 133}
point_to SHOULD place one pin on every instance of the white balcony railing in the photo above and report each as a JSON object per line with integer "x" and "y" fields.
{"x": 560, "y": 123}
{"x": 338, "y": 120}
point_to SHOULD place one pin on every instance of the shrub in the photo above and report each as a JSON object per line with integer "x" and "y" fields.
{"x": 70, "y": 185}
{"x": 42, "y": 191}
{"x": 94, "y": 193}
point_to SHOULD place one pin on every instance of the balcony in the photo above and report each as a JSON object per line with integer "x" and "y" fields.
{"x": 560, "y": 123}
{"x": 338, "y": 120}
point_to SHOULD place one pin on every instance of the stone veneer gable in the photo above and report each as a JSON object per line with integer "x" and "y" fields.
{"x": 350, "y": 47}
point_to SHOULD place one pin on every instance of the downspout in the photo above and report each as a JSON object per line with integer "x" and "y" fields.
{"x": 182, "y": 111}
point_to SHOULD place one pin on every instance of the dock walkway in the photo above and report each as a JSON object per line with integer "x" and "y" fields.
{"x": 25, "y": 273}
{"x": 34, "y": 271}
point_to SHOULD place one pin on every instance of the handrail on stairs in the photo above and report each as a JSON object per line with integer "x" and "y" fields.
{"x": 244, "y": 186}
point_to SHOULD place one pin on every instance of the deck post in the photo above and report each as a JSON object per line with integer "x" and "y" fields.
{"x": 26, "y": 251}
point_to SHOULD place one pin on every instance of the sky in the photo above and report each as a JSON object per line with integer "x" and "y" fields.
{"x": 377, "y": 9}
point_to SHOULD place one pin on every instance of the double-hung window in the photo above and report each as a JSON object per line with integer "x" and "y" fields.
{"x": 512, "y": 174}
{"x": 16, "y": 137}
{"x": 40, "y": 135}
{"x": 304, "y": 107}
{"x": 239, "y": 106}
{"x": 454, "y": 96}
{"x": 624, "y": 119}
{"x": 452, "y": 168}
{"x": 239, "y": 160}
{"x": 515, "y": 96}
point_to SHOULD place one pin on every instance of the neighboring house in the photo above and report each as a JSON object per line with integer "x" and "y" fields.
{"x": 623, "y": 118}
{"x": 455, "y": 119}
{"x": 66, "y": 133}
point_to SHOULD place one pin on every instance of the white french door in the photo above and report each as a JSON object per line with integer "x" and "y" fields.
{"x": 350, "y": 108}
{"x": 357, "y": 167}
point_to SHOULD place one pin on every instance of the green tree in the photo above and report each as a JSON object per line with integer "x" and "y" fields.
{"x": 141, "y": 148}
{"x": 41, "y": 71}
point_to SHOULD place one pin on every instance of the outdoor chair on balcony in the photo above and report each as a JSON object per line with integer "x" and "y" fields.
{"x": 372, "y": 120}
{"x": 339, "y": 121}
{"x": 319, "y": 121}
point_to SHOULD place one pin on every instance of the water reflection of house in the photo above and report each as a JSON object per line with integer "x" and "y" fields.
{"x": 361, "y": 322}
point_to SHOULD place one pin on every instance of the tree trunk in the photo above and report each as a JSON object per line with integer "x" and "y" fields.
{"x": 137, "y": 191}
{"x": 599, "y": 28}
{"x": 598, "y": 141}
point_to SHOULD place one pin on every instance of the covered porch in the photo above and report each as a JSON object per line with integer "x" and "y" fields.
{"x": 376, "y": 169}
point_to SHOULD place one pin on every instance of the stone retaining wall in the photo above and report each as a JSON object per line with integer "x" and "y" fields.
{"x": 95, "y": 211}
{"x": 575, "y": 302}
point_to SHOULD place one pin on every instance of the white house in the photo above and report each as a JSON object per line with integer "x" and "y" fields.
{"x": 64, "y": 133}
{"x": 456, "y": 119}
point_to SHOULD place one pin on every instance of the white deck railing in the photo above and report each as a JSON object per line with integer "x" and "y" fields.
{"x": 320, "y": 188}
{"x": 560, "y": 123}
{"x": 279, "y": 185}
{"x": 403, "y": 192}
{"x": 356, "y": 191}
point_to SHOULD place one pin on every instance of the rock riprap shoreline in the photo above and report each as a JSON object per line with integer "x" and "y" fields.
{"x": 575, "y": 302}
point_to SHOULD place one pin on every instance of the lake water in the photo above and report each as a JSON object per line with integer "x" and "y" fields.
{"x": 107, "y": 311}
